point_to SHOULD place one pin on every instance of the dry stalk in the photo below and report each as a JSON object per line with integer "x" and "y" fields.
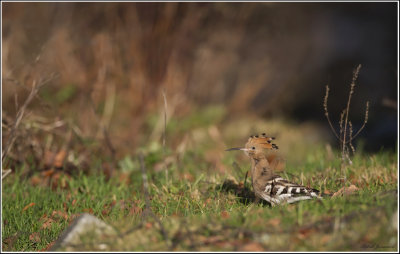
{"x": 345, "y": 135}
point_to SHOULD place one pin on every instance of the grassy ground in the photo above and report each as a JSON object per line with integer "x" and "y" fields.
{"x": 205, "y": 204}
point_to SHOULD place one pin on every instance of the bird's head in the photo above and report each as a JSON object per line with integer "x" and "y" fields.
{"x": 256, "y": 145}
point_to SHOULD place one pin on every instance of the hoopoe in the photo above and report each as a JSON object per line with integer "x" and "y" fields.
{"x": 267, "y": 185}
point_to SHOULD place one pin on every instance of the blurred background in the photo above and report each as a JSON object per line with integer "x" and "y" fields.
{"x": 109, "y": 66}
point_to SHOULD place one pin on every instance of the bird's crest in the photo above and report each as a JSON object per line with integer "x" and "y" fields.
{"x": 262, "y": 141}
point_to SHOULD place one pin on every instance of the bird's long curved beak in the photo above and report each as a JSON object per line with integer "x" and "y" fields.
{"x": 237, "y": 148}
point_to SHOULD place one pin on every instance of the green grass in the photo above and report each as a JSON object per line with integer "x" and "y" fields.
{"x": 201, "y": 213}
{"x": 84, "y": 194}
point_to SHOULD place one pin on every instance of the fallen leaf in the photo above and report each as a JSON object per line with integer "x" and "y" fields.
{"x": 135, "y": 210}
{"x": 48, "y": 246}
{"x": 73, "y": 202}
{"x": 325, "y": 239}
{"x": 148, "y": 225}
{"x": 59, "y": 158}
{"x": 9, "y": 241}
{"x": 48, "y": 158}
{"x": 125, "y": 178}
{"x": 252, "y": 247}
{"x": 305, "y": 232}
{"x": 68, "y": 197}
{"x": 213, "y": 239}
{"x": 274, "y": 222}
{"x": 88, "y": 210}
{"x": 55, "y": 181}
{"x": 188, "y": 176}
{"x": 59, "y": 214}
{"x": 63, "y": 181}
{"x": 47, "y": 223}
{"x": 346, "y": 191}
{"x": 122, "y": 204}
{"x": 27, "y": 206}
{"x": 35, "y": 180}
{"x": 72, "y": 217}
{"x": 48, "y": 173}
{"x": 224, "y": 214}
{"x": 34, "y": 237}
{"x": 112, "y": 204}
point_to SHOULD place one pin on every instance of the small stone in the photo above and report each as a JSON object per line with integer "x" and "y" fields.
{"x": 85, "y": 225}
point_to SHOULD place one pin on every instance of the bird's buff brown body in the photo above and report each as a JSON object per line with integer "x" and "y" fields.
{"x": 267, "y": 185}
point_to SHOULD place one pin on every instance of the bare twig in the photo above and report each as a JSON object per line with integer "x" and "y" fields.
{"x": 341, "y": 125}
{"x": 35, "y": 89}
{"x": 327, "y": 113}
{"x": 365, "y": 120}
{"x": 351, "y": 137}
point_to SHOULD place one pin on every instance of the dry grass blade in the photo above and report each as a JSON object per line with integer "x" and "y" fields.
{"x": 5, "y": 172}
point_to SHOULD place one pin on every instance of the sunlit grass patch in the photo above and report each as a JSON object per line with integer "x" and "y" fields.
{"x": 206, "y": 204}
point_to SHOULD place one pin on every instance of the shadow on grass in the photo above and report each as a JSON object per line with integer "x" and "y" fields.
{"x": 244, "y": 193}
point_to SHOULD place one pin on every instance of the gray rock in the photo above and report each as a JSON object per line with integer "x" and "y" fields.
{"x": 84, "y": 227}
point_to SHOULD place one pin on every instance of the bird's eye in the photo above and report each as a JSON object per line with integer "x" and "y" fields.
{"x": 254, "y": 148}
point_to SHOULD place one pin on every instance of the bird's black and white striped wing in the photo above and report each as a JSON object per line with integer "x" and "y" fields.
{"x": 279, "y": 190}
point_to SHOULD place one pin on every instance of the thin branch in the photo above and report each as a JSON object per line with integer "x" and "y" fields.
{"x": 351, "y": 137}
{"x": 341, "y": 125}
{"x": 365, "y": 120}
{"x": 327, "y": 113}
